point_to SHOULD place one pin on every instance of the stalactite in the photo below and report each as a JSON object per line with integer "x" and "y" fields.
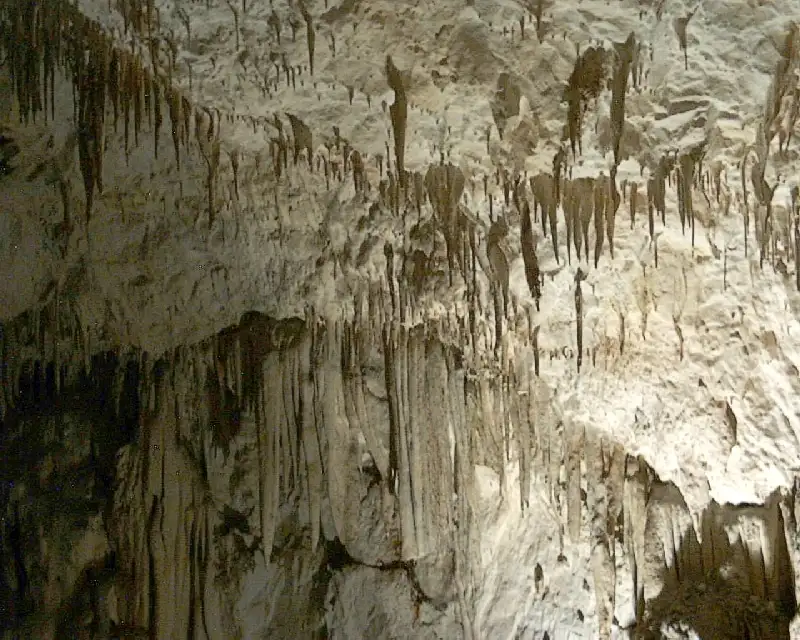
{"x": 186, "y": 129}
{"x": 634, "y": 519}
{"x": 114, "y": 72}
{"x": 291, "y": 423}
{"x": 586, "y": 187}
{"x": 445, "y": 185}
{"x": 686, "y": 171}
{"x": 303, "y": 140}
{"x": 634, "y": 199}
{"x": 267, "y": 464}
{"x": 652, "y": 190}
{"x": 175, "y": 118}
{"x": 99, "y": 108}
{"x": 90, "y": 122}
{"x": 619, "y": 87}
{"x": 600, "y": 204}
{"x": 530, "y": 259}
{"x": 612, "y": 206}
{"x": 602, "y": 561}
{"x": 234, "y": 157}
{"x": 398, "y": 112}
{"x": 48, "y": 62}
{"x": 311, "y": 35}
{"x": 568, "y": 206}
{"x": 157, "y": 117}
{"x": 125, "y": 96}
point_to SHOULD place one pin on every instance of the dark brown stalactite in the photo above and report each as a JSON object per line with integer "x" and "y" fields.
{"x": 38, "y": 37}
{"x": 529, "y": 254}
{"x": 622, "y": 66}
{"x": 47, "y": 60}
{"x": 559, "y": 159}
{"x": 136, "y": 91}
{"x": 126, "y": 97}
{"x": 91, "y": 109}
{"x": 32, "y": 61}
{"x": 394, "y": 409}
{"x": 175, "y": 120}
{"x": 567, "y": 205}
{"x": 575, "y": 204}
{"x": 193, "y": 562}
{"x": 398, "y": 111}
{"x": 113, "y": 85}
{"x": 99, "y": 81}
{"x": 574, "y": 122}
{"x": 147, "y": 88}
{"x": 612, "y": 206}
{"x": 652, "y": 186}
{"x": 210, "y": 149}
{"x": 685, "y": 173}
{"x": 586, "y": 208}
{"x": 77, "y": 59}
{"x": 600, "y": 201}
{"x": 157, "y": 118}
{"x": 186, "y": 110}
{"x": 310, "y": 36}
{"x": 86, "y": 167}
{"x": 302, "y": 139}
{"x": 235, "y": 166}
{"x": 54, "y": 41}
{"x": 211, "y": 123}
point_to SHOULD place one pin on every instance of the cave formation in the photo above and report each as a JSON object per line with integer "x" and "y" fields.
{"x": 366, "y": 393}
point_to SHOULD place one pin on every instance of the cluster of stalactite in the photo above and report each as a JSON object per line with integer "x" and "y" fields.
{"x": 47, "y": 346}
{"x": 741, "y": 555}
{"x": 42, "y": 38}
{"x": 623, "y": 61}
{"x": 140, "y": 17}
{"x": 783, "y": 81}
{"x": 303, "y": 381}
{"x": 587, "y": 80}
{"x": 31, "y": 55}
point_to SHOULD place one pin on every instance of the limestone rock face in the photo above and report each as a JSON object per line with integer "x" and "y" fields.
{"x": 301, "y": 335}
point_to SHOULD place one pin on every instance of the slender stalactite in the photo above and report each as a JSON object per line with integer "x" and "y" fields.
{"x": 529, "y": 256}
{"x": 125, "y": 100}
{"x": 147, "y": 95}
{"x": 136, "y": 93}
{"x": 113, "y": 84}
{"x": 175, "y": 119}
{"x": 311, "y": 36}
{"x": 613, "y": 200}
{"x": 47, "y": 59}
{"x": 157, "y": 117}
{"x": 91, "y": 109}
{"x": 600, "y": 196}
{"x": 186, "y": 111}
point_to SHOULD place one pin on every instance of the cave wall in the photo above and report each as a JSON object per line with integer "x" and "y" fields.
{"x": 412, "y": 456}
{"x": 250, "y": 485}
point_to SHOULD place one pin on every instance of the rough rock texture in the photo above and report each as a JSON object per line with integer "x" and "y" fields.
{"x": 258, "y": 381}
